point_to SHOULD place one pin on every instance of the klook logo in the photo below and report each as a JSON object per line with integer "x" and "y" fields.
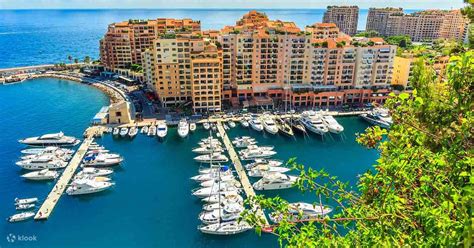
{"x": 12, "y": 238}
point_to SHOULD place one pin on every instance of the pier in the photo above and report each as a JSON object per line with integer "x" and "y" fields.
{"x": 48, "y": 205}
{"x": 244, "y": 180}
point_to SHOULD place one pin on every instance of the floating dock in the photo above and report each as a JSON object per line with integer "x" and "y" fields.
{"x": 48, "y": 205}
{"x": 244, "y": 180}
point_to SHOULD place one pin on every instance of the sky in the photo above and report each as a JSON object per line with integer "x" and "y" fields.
{"x": 257, "y": 4}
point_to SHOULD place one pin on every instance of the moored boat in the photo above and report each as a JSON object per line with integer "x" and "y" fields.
{"x": 183, "y": 128}
{"x": 21, "y": 216}
{"x": 45, "y": 174}
{"x": 272, "y": 181}
{"x": 54, "y": 139}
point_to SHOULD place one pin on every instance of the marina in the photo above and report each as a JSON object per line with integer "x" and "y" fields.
{"x": 166, "y": 163}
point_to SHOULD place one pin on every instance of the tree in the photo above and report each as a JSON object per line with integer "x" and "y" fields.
{"x": 368, "y": 34}
{"x": 420, "y": 192}
{"x": 468, "y": 11}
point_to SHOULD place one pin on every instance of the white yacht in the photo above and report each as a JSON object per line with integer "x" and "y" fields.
{"x": 261, "y": 170}
{"x": 231, "y": 124}
{"x": 206, "y": 125}
{"x": 256, "y": 153}
{"x": 256, "y": 124}
{"x": 332, "y": 124}
{"x": 255, "y": 147}
{"x": 222, "y": 204}
{"x": 213, "y": 157}
{"x": 183, "y": 128}
{"x": 144, "y": 130}
{"x": 19, "y": 201}
{"x": 123, "y": 131}
{"x": 116, "y": 131}
{"x": 225, "y": 228}
{"x": 379, "y": 117}
{"x": 269, "y": 124}
{"x": 86, "y": 186}
{"x": 212, "y": 176}
{"x": 101, "y": 160}
{"x": 152, "y": 130}
{"x": 192, "y": 127}
{"x": 21, "y": 216}
{"x": 24, "y": 206}
{"x": 207, "y": 149}
{"x": 275, "y": 181}
{"x": 244, "y": 122}
{"x": 63, "y": 157}
{"x": 208, "y": 191}
{"x": 225, "y": 196}
{"x": 54, "y": 139}
{"x": 218, "y": 215}
{"x": 40, "y": 163}
{"x": 313, "y": 122}
{"x": 133, "y": 131}
{"x": 47, "y": 150}
{"x": 213, "y": 169}
{"x": 162, "y": 130}
{"x": 227, "y": 181}
{"x": 45, "y": 174}
{"x": 269, "y": 162}
{"x": 302, "y": 211}
{"x": 95, "y": 172}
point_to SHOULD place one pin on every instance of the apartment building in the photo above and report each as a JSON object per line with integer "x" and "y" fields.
{"x": 124, "y": 43}
{"x": 181, "y": 70}
{"x": 377, "y": 19}
{"x": 420, "y": 26}
{"x": 323, "y": 31}
{"x": 345, "y": 17}
{"x": 403, "y": 68}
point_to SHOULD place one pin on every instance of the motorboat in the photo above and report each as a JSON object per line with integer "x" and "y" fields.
{"x": 94, "y": 151}
{"x": 63, "y": 157}
{"x": 298, "y": 126}
{"x": 92, "y": 178}
{"x": 242, "y": 138}
{"x": 256, "y": 153}
{"x": 151, "y": 130}
{"x": 222, "y": 204}
{"x": 183, "y": 128}
{"x": 213, "y": 143}
{"x": 87, "y": 186}
{"x": 144, "y": 130}
{"x": 192, "y": 127}
{"x": 123, "y": 131}
{"x": 314, "y": 123}
{"x": 269, "y": 162}
{"x": 225, "y": 126}
{"x": 379, "y": 117}
{"x": 47, "y": 150}
{"x": 26, "y": 200}
{"x": 213, "y": 157}
{"x": 207, "y": 149}
{"x": 101, "y": 160}
{"x": 24, "y": 206}
{"x": 256, "y": 124}
{"x": 40, "y": 163}
{"x": 162, "y": 130}
{"x": 256, "y": 147}
{"x": 225, "y": 196}
{"x": 271, "y": 181}
{"x": 206, "y": 125}
{"x": 208, "y": 191}
{"x": 133, "y": 131}
{"x": 217, "y": 215}
{"x": 116, "y": 131}
{"x": 109, "y": 130}
{"x": 21, "y": 216}
{"x": 213, "y": 169}
{"x": 332, "y": 124}
{"x": 225, "y": 228}
{"x": 269, "y": 124}
{"x": 231, "y": 124}
{"x": 244, "y": 143}
{"x": 102, "y": 154}
{"x": 244, "y": 122}
{"x": 95, "y": 172}
{"x": 302, "y": 211}
{"x": 284, "y": 127}
{"x": 211, "y": 176}
{"x": 227, "y": 181}
{"x": 45, "y": 174}
{"x": 54, "y": 139}
{"x": 261, "y": 170}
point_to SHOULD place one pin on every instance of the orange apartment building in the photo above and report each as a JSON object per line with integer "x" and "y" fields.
{"x": 345, "y": 17}
{"x": 124, "y": 43}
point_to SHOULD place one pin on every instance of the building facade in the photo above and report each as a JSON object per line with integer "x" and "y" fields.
{"x": 345, "y": 17}
{"x": 124, "y": 43}
{"x": 421, "y": 26}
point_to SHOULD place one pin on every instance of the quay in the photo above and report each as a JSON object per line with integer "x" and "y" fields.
{"x": 48, "y": 205}
{"x": 244, "y": 180}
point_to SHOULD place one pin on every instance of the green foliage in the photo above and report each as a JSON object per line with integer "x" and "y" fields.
{"x": 399, "y": 40}
{"x": 87, "y": 59}
{"x": 368, "y": 34}
{"x": 419, "y": 193}
{"x": 136, "y": 68}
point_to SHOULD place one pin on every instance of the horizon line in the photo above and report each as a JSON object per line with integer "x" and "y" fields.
{"x": 198, "y": 8}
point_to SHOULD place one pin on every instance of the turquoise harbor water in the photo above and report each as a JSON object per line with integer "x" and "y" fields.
{"x": 32, "y": 37}
{"x": 151, "y": 204}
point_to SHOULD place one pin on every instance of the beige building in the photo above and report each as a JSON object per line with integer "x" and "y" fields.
{"x": 120, "y": 113}
{"x": 323, "y": 31}
{"x": 345, "y": 17}
{"x": 124, "y": 43}
{"x": 403, "y": 68}
{"x": 420, "y": 26}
